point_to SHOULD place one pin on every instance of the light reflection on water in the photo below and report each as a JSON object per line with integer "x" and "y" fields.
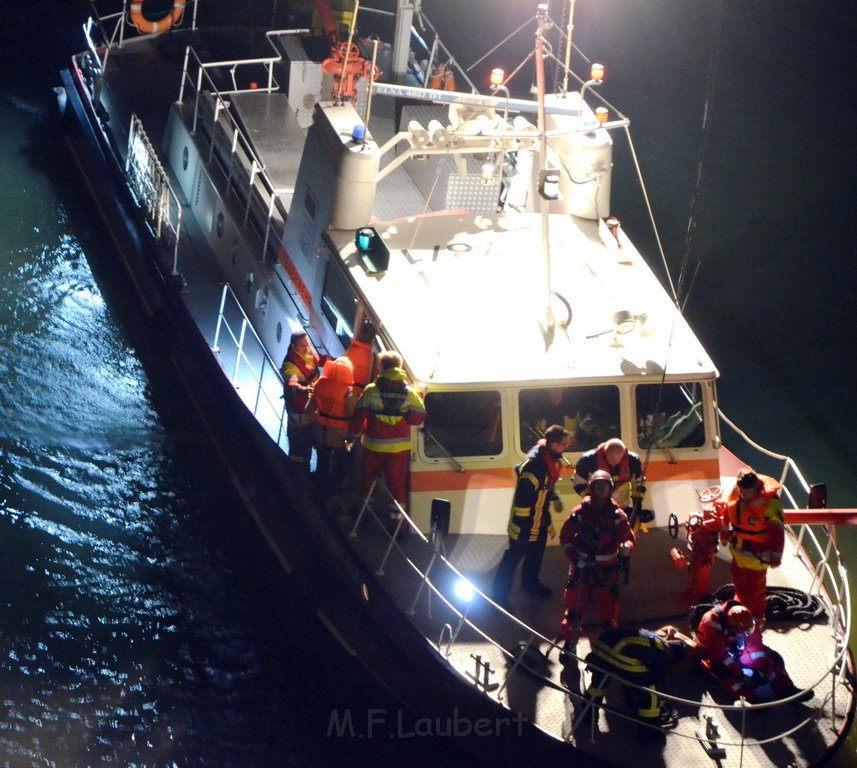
{"x": 122, "y": 634}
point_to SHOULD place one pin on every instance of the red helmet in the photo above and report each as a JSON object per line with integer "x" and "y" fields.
{"x": 739, "y": 619}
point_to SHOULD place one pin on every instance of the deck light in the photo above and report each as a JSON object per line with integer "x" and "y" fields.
{"x": 596, "y": 73}
{"x": 601, "y": 114}
{"x": 497, "y": 77}
{"x": 464, "y": 590}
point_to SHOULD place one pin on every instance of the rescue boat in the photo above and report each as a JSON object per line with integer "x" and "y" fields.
{"x": 258, "y": 178}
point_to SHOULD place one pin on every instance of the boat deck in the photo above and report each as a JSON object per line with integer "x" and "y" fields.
{"x": 542, "y": 691}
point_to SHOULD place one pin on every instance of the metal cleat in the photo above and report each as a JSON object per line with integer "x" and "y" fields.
{"x": 709, "y": 741}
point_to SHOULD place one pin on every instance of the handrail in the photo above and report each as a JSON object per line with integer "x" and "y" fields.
{"x": 151, "y": 186}
{"x": 241, "y": 356}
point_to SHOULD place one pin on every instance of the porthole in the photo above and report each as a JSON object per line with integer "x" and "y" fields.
{"x": 219, "y": 226}
{"x": 279, "y": 332}
{"x": 185, "y": 158}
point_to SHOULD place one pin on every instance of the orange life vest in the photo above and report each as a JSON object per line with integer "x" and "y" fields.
{"x": 747, "y": 518}
{"x": 331, "y": 394}
{"x": 362, "y": 358}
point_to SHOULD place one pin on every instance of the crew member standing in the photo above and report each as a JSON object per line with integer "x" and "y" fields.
{"x": 595, "y": 538}
{"x": 754, "y": 520}
{"x": 361, "y": 353}
{"x": 623, "y": 466}
{"x": 335, "y": 401}
{"x": 530, "y": 520}
{"x": 299, "y": 371}
{"x": 385, "y": 413}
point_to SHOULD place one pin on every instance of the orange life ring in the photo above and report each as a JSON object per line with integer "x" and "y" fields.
{"x": 146, "y": 26}
{"x": 442, "y": 78}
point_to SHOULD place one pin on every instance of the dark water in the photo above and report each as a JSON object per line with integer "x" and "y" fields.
{"x": 141, "y": 621}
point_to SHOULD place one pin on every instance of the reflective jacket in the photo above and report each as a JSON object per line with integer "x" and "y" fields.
{"x": 756, "y": 527}
{"x": 385, "y": 413}
{"x": 537, "y": 474}
{"x": 299, "y": 372}
{"x": 633, "y": 653}
{"x": 593, "y": 534}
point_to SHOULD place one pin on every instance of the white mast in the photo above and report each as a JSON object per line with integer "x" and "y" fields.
{"x": 549, "y": 322}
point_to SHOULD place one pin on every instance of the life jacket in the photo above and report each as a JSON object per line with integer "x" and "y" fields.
{"x": 298, "y": 372}
{"x": 362, "y": 358}
{"x": 331, "y": 394}
{"x": 747, "y": 519}
{"x": 620, "y": 473}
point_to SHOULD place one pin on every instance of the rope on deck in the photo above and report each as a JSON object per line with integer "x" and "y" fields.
{"x": 783, "y": 604}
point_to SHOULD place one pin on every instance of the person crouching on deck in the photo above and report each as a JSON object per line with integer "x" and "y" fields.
{"x": 732, "y": 652}
{"x": 530, "y": 520}
{"x": 385, "y": 413}
{"x": 595, "y": 537}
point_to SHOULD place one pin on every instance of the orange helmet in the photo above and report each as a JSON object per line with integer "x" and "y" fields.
{"x": 739, "y": 619}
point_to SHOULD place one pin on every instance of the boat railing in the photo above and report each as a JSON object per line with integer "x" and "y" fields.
{"x": 245, "y": 178}
{"x": 437, "y": 575}
{"x": 151, "y": 186}
{"x": 244, "y": 359}
{"x": 815, "y": 543}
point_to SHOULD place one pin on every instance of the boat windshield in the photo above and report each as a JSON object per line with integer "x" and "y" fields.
{"x": 589, "y": 413}
{"x": 463, "y": 424}
{"x": 670, "y": 415}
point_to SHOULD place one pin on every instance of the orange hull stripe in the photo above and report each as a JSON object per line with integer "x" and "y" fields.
{"x": 700, "y": 470}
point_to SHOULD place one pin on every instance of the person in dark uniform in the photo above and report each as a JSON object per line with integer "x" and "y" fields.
{"x": 641, "y": 657}
{"x": 530, "y": 520}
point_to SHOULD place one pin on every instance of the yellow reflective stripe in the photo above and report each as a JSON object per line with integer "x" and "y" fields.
{"x": 615, "y": 657}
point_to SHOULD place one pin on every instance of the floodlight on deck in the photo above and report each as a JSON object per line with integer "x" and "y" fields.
{"x": 464, "y": 590}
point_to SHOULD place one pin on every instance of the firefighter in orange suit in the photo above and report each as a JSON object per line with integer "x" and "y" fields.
{"x": 385, "y": 413}
{"x": 754, "y": 527}
{"x": 731, "y": 650}
{"x": 595, "y": 537}
{"x": 335, "y": 401}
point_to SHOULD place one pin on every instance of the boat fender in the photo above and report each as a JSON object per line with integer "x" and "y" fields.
{"x": 147, "y": 26}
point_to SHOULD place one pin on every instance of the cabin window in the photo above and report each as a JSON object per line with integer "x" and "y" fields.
{"x": 338, "y": 304}
{"x": 462, "y": 424}
{"x": 670, "y": 415}
{"x": 590, "y": 414}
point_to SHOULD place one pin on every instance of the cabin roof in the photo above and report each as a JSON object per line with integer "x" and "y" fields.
{"x": 463, "y": 297}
